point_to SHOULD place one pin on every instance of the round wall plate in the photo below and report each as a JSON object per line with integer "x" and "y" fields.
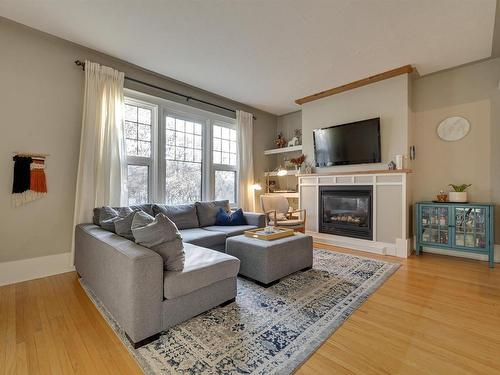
{"x": 453, "y": 128}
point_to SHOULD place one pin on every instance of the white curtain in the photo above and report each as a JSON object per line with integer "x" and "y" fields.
{"x": 102, "y": 174}
{"x": 245, "y": 142}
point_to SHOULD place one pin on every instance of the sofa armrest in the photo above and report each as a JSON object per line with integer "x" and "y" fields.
{"x": 255, "y": 218}
{"x": 127, "y": 278}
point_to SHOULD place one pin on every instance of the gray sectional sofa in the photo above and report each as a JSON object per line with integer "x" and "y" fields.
{"x": 130, "y": 281}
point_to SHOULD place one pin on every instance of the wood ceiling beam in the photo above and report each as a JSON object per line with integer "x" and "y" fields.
{"x": 406, "y": 69}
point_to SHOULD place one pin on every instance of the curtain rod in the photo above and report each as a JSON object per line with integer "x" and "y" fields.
{"x": 187, "y": 97}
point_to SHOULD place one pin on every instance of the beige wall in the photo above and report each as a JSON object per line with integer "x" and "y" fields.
{"x": 470, "y": 91}
{"x": 440, "y": 163}
{"x": 41, "y": 106}
{"x": 386, "y": 99}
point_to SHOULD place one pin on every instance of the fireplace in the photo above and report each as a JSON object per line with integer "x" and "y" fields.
{"x": 346, "y": 211}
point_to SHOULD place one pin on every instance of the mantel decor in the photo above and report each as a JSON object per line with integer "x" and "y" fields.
{"x": 453, "y": 128}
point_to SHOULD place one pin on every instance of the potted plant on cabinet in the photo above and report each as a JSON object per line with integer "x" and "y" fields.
{"x": 458, "y": 194}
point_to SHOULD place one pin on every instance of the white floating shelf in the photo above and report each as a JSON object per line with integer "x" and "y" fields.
{"x": 283, "y": 150}
{"x": 290, "y": 172}
{"x": 286, "y": 195}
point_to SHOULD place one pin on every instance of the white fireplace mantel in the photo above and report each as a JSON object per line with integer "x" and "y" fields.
{"x": 391, "y": 209}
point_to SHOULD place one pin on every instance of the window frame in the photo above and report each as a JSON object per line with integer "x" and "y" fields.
{"x": 225, "y": 167}
{"x": 150, "y": 161}
{"x": 157, "y": 161}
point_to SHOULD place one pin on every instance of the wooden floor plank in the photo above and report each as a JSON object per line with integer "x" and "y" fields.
{"x": 435, "y": 315}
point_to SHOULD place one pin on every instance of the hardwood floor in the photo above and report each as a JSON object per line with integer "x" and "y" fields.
{"x": 435, "y": 315}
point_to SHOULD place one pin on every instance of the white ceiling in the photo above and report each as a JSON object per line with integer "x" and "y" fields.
{"x": 269, "y": 53}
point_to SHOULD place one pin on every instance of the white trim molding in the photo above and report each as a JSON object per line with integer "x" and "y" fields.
{"x": 375, "y": 247}
{"x": 396, "y": 243}
{"x": 34, "y": 268}
{"x": 463, "y": 254}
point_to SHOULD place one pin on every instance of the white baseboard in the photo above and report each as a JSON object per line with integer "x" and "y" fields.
{"x": 463, "y": 254}
{"x": 375, "y": 247}
{"x": 34, "y": 268}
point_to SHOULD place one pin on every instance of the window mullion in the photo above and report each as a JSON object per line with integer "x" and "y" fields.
{"x": 161, "y": 166}
{"x": 207, "y": 169}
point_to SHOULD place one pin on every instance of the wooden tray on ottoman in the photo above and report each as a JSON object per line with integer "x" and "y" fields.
{"x": 278, "y": 232}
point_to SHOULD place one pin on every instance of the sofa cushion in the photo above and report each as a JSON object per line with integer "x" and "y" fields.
{"x": 160, "y": 235}
{"x": 108, "y": 216}
{"x": 123, "y": 226}
{"x": 207, "y": 211}
{"x": 202, "y": 268}
{"x": 147, "y": 208}
{"x": 183, "y": 215}
{"x": 230, "y": 231}
{"x": 202, "y": 237}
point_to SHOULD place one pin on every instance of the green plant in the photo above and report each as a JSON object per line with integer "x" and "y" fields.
{"x": 460, "y": 188}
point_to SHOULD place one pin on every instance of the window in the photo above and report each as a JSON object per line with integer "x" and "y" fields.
{"x": 177, "y": 154}
{"x": 183, "y": 166}
{"x": 138, "y": 184}
{"x": 139, "y": 130}
{"x": 224, "y": 144}
{"x": 224, "y": 158}
{"x": 225, "y": 185}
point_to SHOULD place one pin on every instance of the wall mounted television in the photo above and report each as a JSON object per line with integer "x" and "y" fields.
{"x": 353, "y": 143}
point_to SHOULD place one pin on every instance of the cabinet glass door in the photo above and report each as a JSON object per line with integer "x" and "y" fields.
{"x": 434, "y": 224}
{"x": 470, "y": 227}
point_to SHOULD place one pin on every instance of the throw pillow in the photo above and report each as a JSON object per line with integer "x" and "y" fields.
{"x": 236, "y": 218}
{"x": 123, "y": 226}
{"x": 207, "y": 211}
{"x": 279, "y": 216}
{"x": 109, "y": 215}
{"x": 160, "y": 235}
{"x": 183, "y": 215}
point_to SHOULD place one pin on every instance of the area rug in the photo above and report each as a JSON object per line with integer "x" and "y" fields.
{"x": 266, "y": 331}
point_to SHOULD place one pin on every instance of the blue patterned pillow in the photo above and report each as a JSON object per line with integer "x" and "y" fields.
{"x": 225, "y": 219}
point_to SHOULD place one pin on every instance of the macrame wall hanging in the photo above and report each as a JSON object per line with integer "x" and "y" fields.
{"x": 29, "y": 178}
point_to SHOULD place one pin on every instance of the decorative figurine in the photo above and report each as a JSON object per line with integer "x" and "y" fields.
{"x": 280, "y": 141}
{"x": 392, "y": 166}
{"x": 293, "y": 142}
{"x": 308, "y": 168}
{"x": 298, "y": 134}
{"x": 442, "y": 196}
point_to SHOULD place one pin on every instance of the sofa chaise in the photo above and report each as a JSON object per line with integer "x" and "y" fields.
{"x": 130, "y": 281}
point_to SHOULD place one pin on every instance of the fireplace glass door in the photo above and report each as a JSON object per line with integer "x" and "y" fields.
{"x": 346, "y": 211}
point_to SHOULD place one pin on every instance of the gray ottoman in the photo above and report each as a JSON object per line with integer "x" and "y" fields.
{"x": 268, "y": 261}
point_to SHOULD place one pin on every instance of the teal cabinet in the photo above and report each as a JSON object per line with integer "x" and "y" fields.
{"x": 456, "y": 226}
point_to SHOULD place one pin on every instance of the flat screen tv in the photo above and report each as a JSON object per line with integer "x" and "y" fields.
{"x": 353, "y": 143}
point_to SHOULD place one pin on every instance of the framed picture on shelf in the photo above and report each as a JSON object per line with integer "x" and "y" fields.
{"x": 272, "y": 186}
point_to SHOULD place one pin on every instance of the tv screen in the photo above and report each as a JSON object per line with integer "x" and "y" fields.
{"x": 353, "y": 143}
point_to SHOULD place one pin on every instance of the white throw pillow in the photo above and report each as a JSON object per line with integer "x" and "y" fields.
{"x": 160, "y": 235}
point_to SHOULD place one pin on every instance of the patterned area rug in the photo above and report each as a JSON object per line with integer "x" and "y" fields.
{"x": 266, "y": 331}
